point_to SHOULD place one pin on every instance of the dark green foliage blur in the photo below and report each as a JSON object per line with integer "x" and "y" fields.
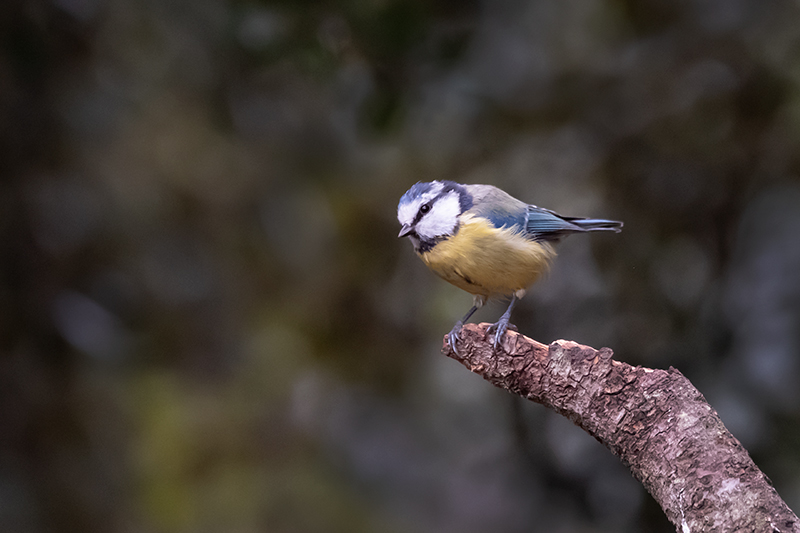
{"x": 209, "y": 325}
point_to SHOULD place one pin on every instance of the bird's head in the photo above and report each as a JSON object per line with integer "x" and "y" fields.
{"x": 430, "y": 211}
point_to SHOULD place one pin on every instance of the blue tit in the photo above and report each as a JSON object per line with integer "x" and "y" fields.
{"x": 484, "y": 241}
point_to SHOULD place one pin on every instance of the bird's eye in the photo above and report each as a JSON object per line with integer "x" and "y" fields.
{"x": 425, "y": 208}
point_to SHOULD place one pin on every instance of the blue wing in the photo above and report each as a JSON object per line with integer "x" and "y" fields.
{"x": 505, "y": 219}
{"x": 536, "y": 223}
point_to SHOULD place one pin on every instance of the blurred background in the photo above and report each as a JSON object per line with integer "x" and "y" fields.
{"x": 208, "y": 323}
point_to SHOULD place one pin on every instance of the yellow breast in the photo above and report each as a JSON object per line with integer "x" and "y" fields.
{"x": 488, "y": 261}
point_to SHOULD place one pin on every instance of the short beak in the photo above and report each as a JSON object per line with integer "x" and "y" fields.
{"x": 405, "y": 230}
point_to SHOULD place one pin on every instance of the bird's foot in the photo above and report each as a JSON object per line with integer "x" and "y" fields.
{"x": 453, "y": 337}
{"x": 500, "y": 327}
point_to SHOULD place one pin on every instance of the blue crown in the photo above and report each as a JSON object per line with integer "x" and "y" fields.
{"x": 415, "y": 191}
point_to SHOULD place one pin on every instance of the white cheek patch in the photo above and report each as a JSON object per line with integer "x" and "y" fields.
{"x": 442, "y": 218}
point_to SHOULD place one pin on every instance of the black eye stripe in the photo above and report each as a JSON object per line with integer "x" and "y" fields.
{"x": 424, "y": 208}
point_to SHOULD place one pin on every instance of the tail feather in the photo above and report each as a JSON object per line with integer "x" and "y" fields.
{"x": 545, "y": 225}
{"x": 597, "y": 224}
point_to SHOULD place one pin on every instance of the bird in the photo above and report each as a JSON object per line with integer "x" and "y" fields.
{"x": 485, "y": 242}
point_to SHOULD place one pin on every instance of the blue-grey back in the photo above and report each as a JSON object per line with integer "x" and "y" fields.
{"x": 497, "y": 206}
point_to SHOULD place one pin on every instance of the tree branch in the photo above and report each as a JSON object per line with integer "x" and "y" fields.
{"x": 656, "y": 421}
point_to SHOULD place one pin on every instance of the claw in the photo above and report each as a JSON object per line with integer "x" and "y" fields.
{"x": 453, "y": 337}
{"x": 500, "y": 327}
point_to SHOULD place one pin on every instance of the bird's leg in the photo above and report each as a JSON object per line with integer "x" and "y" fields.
{"x": 452, "y": 337}
{"x": 503, "y": 324}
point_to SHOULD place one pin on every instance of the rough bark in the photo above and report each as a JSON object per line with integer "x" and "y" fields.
{"x": 656, "y": 421}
